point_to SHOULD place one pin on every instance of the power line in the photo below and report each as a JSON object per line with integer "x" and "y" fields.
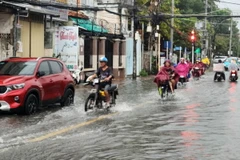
{"x": 229, "y": 2}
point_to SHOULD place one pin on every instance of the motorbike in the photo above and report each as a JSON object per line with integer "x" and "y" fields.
{"x": 233, "y": 76}
{"x": 219, "y": 76}
{"x": 77, "y": 75}
{"x": 182, "y": 80}
{"x": 196, "y": 73}
{"x": 164, "y": 89}
{"x": 97, "y": 97}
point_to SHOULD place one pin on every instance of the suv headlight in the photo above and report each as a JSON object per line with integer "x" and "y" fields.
{"x": 16, "y": 86}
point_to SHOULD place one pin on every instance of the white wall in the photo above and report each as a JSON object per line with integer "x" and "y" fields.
{"x": 109, "y": 21}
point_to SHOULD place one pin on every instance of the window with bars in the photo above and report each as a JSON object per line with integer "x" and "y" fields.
{"x": 88, "y": 53}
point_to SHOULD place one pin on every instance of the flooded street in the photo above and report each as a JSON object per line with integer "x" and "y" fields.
{"x": 201, "y": 122}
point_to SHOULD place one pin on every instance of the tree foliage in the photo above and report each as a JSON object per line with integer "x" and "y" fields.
{"x": 218, "y": 28}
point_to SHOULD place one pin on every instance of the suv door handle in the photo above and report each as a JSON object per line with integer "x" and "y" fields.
{"x": 51, "y": 80}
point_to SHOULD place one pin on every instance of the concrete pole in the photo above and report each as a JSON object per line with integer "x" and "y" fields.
{"x": 167, "y": 51}
{"x": 172, "y": 24}
{"x": 159, "y": 51}
{"x": 192, "y": 53}
{"x": 230, "y": 41}
{"x": 142, "y": 40}
{"x": 156, "y": 50}
{"x": 180, "y": 52}
{"x": 151, "y": 53}
{"x": 134, "y": 76}
{"x": 205, "y": 28}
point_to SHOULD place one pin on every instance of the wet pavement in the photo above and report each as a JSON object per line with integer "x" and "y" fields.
{"x": 200, "y": 123}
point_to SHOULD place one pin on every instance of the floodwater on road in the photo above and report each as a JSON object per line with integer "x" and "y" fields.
{"x": 201, "y": 122}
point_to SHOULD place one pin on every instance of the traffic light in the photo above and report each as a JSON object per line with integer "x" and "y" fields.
{"x": 193, "y": 36}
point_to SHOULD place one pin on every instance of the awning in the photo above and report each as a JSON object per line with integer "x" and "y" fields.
{"x": 32, "y": 8}
{"x": 88, "y": 25}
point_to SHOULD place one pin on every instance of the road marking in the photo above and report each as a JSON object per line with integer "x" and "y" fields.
{"x": 68, "y": 129}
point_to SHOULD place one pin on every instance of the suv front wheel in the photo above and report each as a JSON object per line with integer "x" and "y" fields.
{"x": 68, "y": 98}
{"x": 31, "y": 104}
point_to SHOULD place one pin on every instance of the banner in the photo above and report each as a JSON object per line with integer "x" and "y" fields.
{"x": 68, "y": 46}
{"x": 167, "y": 44}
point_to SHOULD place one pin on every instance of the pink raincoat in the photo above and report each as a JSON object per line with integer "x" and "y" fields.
{"x": 182, "y": 69}
{"x": 190, "y": 65}
{"x": 163, "y": 75}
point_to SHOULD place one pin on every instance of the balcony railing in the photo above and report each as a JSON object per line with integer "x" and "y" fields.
{"x": 110, "y": 2}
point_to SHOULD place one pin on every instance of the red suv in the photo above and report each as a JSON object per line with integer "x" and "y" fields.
{"x": 28, "y": 83}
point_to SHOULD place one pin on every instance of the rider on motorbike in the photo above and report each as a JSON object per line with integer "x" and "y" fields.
{"x": 219, "y": 68}
{"x": 182, "y": 68}
{"x": 206, "y": 61}
{"x": 233, "y": 66}
{"x": 105, "y": 74}
{"x": 190, "y": 65}
{"x": 199, "y": 65}
{"x": 167, "y": 73}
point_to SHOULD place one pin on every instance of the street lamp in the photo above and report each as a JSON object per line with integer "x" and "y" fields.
{"x": 149, "y": 28}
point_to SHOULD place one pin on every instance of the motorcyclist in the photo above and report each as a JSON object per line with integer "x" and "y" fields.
{"x": 206, "y": 61}
{"x": 190, "y": 65}
{"x": 197, "y": 65}
{"x": 182, "y": 68}
{"x": 233, "y": 66}
{"x": 105, "y": 74}
{"x": 219, "y": 68}
{"x": 200, "y": 65}
{"x": 167, "y": 73}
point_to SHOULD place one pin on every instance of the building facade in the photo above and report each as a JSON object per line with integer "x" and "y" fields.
{"x": 31, "y": 30}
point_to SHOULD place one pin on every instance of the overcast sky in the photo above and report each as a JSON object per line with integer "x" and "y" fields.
{"x": 233, "y": 7}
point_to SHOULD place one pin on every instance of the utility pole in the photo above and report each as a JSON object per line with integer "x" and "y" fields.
{"x": 172, "y": 24}
{"x": 230, "y": 41}
{"x": 205, "y": 28}
{"x": 134, "y": 76}
{"x": 192, "y": 52}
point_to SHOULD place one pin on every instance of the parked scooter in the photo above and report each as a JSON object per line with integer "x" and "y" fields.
{"x": 77, "y": 75}
{"x": 233, "y": 76}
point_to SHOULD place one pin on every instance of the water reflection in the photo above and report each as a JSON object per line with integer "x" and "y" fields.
{"x": 191, "y": 117}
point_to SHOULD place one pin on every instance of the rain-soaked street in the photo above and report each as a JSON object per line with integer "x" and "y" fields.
{"x": 200, "y": 123}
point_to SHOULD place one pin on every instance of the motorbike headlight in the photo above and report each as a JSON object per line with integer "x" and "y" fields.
{"x": 16, "y": 86}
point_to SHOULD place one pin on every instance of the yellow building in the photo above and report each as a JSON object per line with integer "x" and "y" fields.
{"x": 32, "y": 36}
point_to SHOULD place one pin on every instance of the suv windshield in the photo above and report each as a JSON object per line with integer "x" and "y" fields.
{"x": 17, "y": 68}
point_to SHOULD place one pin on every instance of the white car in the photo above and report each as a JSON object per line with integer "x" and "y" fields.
{"x": 217, "y": 58}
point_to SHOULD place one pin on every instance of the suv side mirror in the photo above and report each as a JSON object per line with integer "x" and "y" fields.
{"x": 40, "y": 73}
